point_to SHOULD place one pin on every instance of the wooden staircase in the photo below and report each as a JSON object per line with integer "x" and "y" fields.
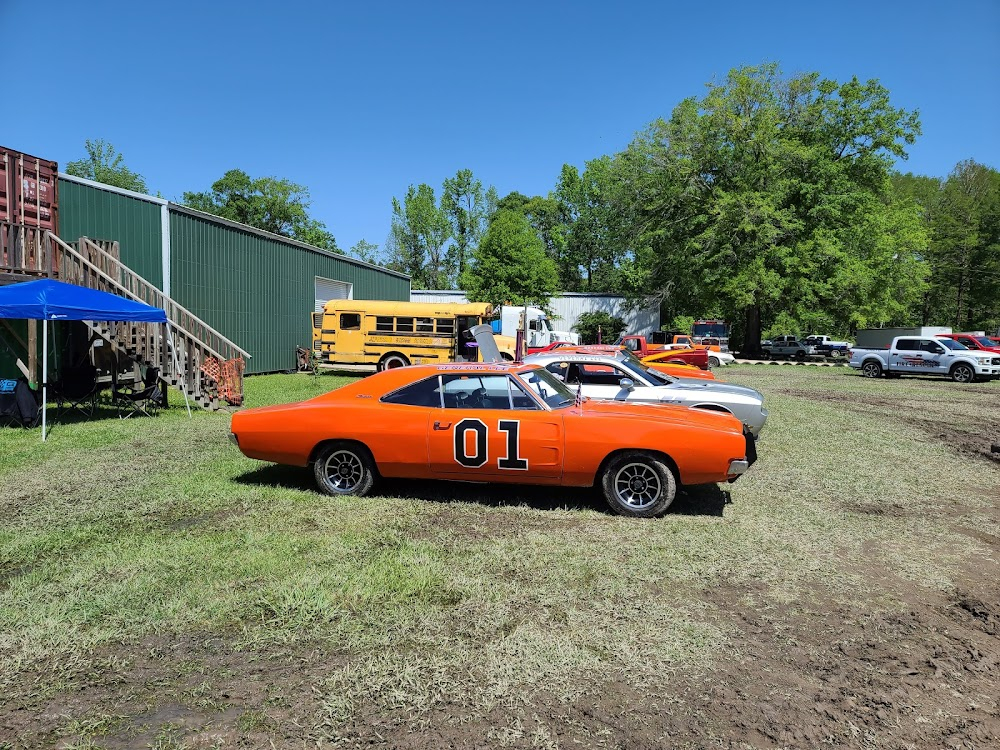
{"x": 30, "y": 252}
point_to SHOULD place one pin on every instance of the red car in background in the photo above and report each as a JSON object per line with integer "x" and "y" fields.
{"x": 973, "y": 341}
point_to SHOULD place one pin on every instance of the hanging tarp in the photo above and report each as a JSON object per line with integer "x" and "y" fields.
{"x": 47, "y": 299}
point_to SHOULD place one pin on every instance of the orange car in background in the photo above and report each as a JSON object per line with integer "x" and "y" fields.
{"x": 662, "y": 360}
{"x": 513, "y": 424}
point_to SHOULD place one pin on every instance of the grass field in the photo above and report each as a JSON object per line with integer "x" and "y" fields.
{"x": 159, "y": 590}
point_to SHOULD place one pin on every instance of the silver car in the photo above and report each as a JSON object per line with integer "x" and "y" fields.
{"x": 622, "y": 377}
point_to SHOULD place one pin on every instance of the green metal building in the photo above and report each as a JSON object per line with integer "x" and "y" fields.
{"x": 256, "y": 288}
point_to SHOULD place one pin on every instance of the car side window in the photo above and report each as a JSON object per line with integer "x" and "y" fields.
{"x": 474, "y": 391}
{"x": 589, "y": 374}
{"x": 423, "y": 393}
{"x": 932, "y": 347}
{"x": 907, "y": 345}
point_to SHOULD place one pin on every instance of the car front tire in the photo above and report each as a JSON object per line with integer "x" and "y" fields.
{"x": 963, "y": 374}
{"x": 344, "y": 469}
{"x": 638, "y": 484}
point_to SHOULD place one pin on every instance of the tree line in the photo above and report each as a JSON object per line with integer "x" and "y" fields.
{"x": 772, "y": 201}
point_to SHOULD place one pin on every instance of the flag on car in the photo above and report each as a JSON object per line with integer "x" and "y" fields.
{"x": 579, "y": 396}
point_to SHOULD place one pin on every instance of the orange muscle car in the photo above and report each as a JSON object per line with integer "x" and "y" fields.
{"x": 663, "y": 361}
{"x": 508, "y": 423}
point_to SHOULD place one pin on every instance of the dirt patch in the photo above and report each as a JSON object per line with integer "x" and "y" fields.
{"x": 974, "y": 439}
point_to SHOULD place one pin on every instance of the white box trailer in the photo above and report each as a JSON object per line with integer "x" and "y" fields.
{"x": 881, "y": 338}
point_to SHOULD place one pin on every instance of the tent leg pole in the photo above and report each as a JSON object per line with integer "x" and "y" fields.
{"x": 45, "y": 372}
{"x": 177, "y": 367}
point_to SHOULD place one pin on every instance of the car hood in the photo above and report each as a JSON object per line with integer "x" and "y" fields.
{"x": 712, "y": 386}
{"x": 662, "y": 413}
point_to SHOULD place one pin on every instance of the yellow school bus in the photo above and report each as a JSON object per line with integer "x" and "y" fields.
{"x": 396, "y": 334}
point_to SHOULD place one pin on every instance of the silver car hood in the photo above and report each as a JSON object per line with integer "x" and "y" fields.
{"x": 713, "y": 386}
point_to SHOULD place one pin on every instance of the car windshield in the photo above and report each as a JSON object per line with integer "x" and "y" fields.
{"x": 647, "y": 373}
{"x": 950, "y": 344}
{"x": 983, "y": 341}
{"x": 548, "y": 388}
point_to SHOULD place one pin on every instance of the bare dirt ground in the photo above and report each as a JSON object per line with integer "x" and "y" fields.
{"x": 817, "y": 671}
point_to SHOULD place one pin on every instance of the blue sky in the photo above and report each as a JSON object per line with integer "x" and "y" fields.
{"x": 358, "y": 100}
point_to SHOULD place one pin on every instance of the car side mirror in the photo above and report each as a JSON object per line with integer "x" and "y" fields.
{"x": 627, "y": 384}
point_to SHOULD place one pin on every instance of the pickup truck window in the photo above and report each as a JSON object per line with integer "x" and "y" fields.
{"x": 951, "y": 344}
{"x": 908, "y": 345}
{"x": 932, "y": 347}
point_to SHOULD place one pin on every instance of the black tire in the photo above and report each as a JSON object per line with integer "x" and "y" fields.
{"x": 638, "y": 484}
{"x": 871, "y": 369}
{"x": 344, "y": 469}
{"x": 962, "y": 373}
{"x": 800, "y": 355}
{"x": 714, "y": 362}
{"x": 391, "y": 361}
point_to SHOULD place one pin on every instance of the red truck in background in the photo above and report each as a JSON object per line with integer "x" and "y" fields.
{"x": 973, "y": 341}
{"x": 641, "y": 347}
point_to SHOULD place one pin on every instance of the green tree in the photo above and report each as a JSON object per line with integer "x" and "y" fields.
{"x": 104, "y": 164}
{"x": 468, "y": 208}
{"x": 510, "y": 265}
{"x": 417, "y": 237}
{"x": 964, "y": 253}
{"x": 598, "y": 325}
{"x": 366, "y": 251}
{"x": 770, "y": 198}
{"x": 275, "y": 205}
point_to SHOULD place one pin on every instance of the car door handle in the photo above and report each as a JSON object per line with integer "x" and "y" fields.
{"x": 442, "y": 425}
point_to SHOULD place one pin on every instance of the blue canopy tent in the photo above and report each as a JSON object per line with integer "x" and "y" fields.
{"x": 47, "y": 300}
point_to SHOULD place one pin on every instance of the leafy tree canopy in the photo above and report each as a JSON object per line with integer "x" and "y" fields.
{"x": 274, "y": 205}
{"x": 104, "y": 164}
{"x": 510, "y": 266}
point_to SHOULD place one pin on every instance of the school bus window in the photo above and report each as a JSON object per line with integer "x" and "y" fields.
{"x": 383, "y": 323}
{"x": 404, "y": 324}
{"x": 425, "y": 325}
{"x": 446, "y": 326}
{"x": 350, "y": 322}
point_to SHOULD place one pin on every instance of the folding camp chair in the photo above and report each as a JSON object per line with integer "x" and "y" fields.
{"x": 18, "y": 405}
{"x": 77, "y": 388}
{"x": 146, "y": 399}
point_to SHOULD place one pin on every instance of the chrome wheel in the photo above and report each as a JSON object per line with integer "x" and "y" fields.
{"x": 872, "y": 370}
{"x": 963, "y": 374}
{"x": 344, "y": 471}
{"x": 637, "y": 486}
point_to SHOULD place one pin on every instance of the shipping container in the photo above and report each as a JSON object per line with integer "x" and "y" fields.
{"x": 881, "y": 338}
{"x": 29, "y": 192}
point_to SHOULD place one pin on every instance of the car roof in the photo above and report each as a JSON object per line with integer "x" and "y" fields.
{"x": 573, "y": 357}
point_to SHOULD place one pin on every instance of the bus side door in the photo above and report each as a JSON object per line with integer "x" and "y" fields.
{"x": 349, "y": 344}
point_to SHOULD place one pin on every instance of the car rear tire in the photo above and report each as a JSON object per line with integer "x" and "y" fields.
{"x": 871, "y": 370}
{"x": 836, "y": 354}
{"x": 638, "y": 484}
{"x": 392, "y": 361}
{"x": 344, "y": 469}
{"x": 800, "y": 356}
{"x": 963, "y": 374}
{"x": 714, "y": 362}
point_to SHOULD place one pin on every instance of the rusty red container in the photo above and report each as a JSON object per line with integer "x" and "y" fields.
{"x": 29, "y": 190}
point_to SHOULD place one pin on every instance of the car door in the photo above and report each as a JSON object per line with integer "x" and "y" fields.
{"x": 491, "y": 430}
{"x": 907, "y": 356}
{"x": 933, "y": 355}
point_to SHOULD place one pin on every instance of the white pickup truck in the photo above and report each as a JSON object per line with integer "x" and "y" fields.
{"x": 927, "y": 355}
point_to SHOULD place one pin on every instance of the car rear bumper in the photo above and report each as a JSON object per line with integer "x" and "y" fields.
{"x": 738, "y": 467}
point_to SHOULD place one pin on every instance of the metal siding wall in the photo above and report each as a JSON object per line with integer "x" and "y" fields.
{"x": 257, "y": 290}
{"x": 568, "y": 308}
{"x": 86, "y": 211}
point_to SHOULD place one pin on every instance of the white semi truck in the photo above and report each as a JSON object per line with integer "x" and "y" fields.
{"x": 539, "y": 329}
